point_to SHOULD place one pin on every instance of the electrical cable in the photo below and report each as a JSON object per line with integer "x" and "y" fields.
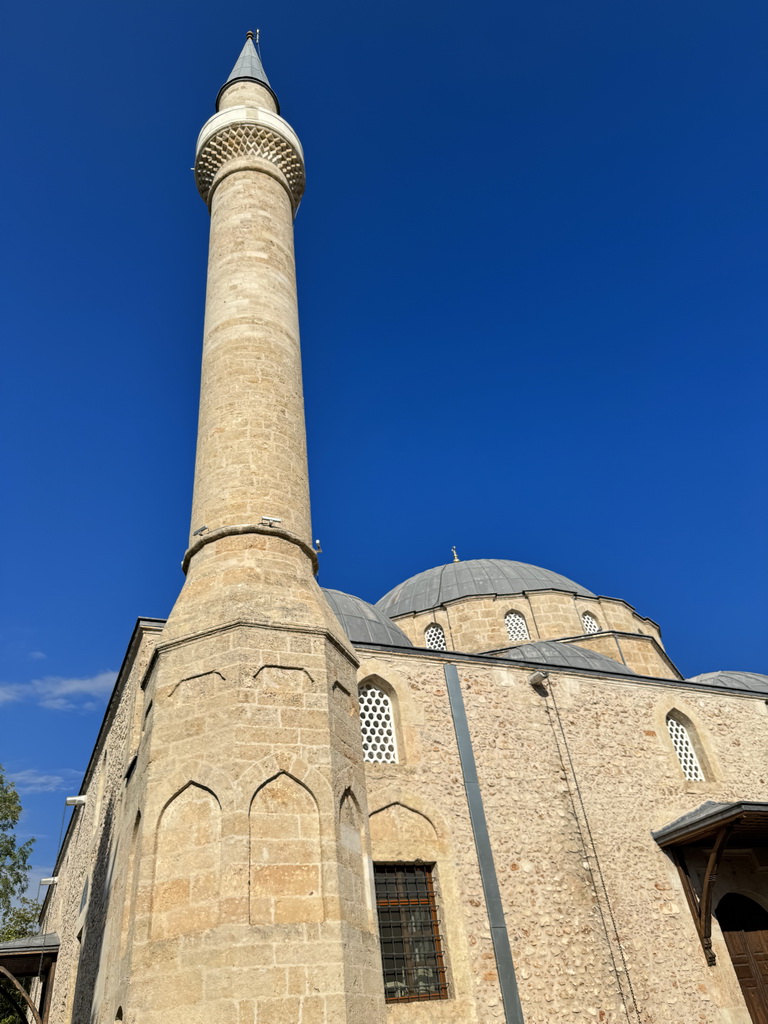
{"x": 593, "y": 848}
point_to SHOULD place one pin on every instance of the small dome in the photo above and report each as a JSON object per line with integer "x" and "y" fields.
{"x": 486, "y": 576}
{"x": 550, "y": 652}
{"x": 733, "y": 680}
{"x": 363, "y": 623}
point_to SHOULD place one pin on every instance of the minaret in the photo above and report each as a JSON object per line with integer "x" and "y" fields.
{"x": 250, "y": 845}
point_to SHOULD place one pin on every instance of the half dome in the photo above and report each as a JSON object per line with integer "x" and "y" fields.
{"x": 753, "y": 681}
{"x": 363, "y": 623}
{"x": 478, "y": 576}
{"x": 550, "y": 652}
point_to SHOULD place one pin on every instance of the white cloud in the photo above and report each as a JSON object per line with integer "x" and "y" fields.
{"x": 60, "y": 694}
{"x": 37, "y": 655}
{"x": 30, "y": 780}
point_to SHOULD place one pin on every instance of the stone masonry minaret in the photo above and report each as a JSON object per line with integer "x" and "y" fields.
{"x": 249, "y": 860}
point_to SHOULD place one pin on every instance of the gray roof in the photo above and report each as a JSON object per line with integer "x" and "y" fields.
{"x": 247, "y": 68}
{"x": 489, "y": 576}
{"x": 49, "y": 940}
{"x": 749, "y": 821}
{"x": 363, "y": 623}
{"x": 550, "y": 652}
{"x": 752, "y": 681}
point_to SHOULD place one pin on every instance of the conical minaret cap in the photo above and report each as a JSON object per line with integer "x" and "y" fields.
{"x": 248, "y": 68}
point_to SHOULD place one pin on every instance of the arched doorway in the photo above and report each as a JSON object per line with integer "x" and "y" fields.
{"x": 744, "y": 924}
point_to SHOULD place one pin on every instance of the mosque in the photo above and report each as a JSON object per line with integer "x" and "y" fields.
{"x": 489, "y": 797}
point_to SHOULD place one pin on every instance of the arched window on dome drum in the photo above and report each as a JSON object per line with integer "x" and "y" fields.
{"x": 517, "y": 628}
{"x": 434, "y": 637}
{"x": 684, "y": 749}
{"x": 590, "y": 623}
{"x": 377, "y": 725}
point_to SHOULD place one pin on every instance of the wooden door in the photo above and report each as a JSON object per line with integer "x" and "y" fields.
{"x": 744, "y": 924}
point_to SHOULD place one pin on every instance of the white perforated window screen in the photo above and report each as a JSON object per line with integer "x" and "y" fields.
{"x": 686, "y": 755}
{"x": 590, "y": 623}
{"x": 516, "y": 626}
{"x": 434, "y": 637}
{"x": 377, "y": 726}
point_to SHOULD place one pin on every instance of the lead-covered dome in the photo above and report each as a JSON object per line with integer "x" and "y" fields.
{"x": 550, "y": 652}
{"x": 478, "y": 576}
{"x": 729, "y": 680}
{"x": 363, "y": 623}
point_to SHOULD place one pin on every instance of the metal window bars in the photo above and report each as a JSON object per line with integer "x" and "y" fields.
{"x": 411, "y": 949}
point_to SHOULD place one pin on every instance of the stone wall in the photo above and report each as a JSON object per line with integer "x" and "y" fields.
{"x": 277, "y": 851}
{"x": 85, "y": 908}
{"x": 573, "y": 783}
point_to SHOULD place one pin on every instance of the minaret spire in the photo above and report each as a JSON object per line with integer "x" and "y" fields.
{"x": 248, "y": 68}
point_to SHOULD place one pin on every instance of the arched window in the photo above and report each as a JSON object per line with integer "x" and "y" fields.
{"x": 589, "y": 622}
{"x": 434, "y": 637}
{"x": 517, "y": 629}
{"x": 686, "y": 754}
{"x": 377, "y": 725}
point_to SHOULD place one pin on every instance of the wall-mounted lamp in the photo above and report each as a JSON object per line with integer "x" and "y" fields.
{"x": 537, "y": 678}
{"x": 76, "y": 801}
{"x": 49, "y": 881}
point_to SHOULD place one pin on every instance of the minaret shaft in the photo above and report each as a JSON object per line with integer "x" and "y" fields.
{"x": 251, "y": 449}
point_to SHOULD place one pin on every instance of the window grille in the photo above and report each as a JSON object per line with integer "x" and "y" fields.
{"x": 377, "y": 726}
{"x": 411, "y": 948}
{"x": 590, "y": 623}
{"x": 686, "y": 755}
{"x": 434, "y": 637}
{"x": 516, "y": 626}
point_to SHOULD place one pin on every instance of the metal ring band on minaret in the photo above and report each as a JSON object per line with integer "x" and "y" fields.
{"x": 244, "y": 528}
{"x": 242, "y": 132}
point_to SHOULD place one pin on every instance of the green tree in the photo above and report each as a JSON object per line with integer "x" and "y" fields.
{"x": 18, "y": 913}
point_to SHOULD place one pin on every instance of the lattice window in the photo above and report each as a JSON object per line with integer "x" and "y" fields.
{"x": 517, "y": 628}
{"x": 411, "y": 949}
{"x": 686, "y": 755}
{"x": 434, "y": 637}
{"x": 377, "y": 726}
{"x": 590, "y": 623}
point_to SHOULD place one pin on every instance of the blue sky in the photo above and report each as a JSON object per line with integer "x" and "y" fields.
{"x": 531, "y": 260}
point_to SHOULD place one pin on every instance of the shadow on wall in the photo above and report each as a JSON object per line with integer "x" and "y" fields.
{"x": 92, "y": 934}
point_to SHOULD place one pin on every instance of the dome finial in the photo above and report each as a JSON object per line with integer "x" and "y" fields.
{"x": 455, "y": 556}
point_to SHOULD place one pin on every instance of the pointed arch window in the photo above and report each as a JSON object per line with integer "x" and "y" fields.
{"x": 517, "y": 627}
{"x": 434, "y": 637}
{"x": 590, "y": 623}
{"x": 377, "y": 725}
{"x": 686, "y": 754}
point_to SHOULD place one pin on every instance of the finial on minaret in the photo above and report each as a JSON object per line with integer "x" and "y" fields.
{"x": 455, "y": 556}
{"x": 249, "y": 34}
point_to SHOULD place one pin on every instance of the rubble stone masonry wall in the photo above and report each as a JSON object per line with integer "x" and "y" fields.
{"x": 572, "y": 783}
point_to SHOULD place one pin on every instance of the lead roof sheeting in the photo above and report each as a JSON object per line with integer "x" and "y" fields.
{"x": 752, "y": 681}
{"x": 35, "y": 943}
{"x": 248, "y": 66}
{"x": 550, "y": 652}
{"x": 750, "y": 818}
{"x": 479, "y": 576}
{"x": 363, "y": 623}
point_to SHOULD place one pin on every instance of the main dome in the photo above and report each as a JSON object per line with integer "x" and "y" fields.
{"x": 478, "y": 576}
